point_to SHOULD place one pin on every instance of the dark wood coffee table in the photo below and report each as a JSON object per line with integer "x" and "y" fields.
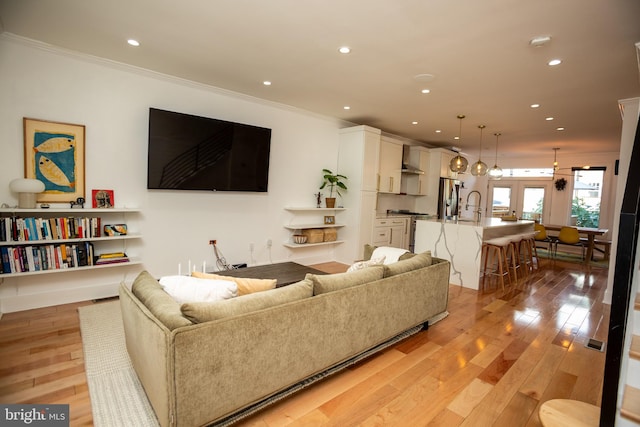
{"x": 285, "y": 273}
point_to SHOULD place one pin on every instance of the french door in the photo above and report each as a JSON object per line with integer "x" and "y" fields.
{"x": 529, "y": 199}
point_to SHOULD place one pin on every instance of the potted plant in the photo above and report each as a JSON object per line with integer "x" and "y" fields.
{"x": 335, "y": 183}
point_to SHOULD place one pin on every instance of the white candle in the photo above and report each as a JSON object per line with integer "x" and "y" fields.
{"x": 189, "y": 270}
{"x": 179, "y": 269}
{"x": 204, "y": 266}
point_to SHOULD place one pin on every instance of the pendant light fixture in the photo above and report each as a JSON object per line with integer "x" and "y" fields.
{"x": 495, "y": 173}
{"x": 479, "y": 168}
{"x": 458, "y": 163}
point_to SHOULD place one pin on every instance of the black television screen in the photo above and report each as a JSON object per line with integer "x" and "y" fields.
{"x": 189, "y": 152}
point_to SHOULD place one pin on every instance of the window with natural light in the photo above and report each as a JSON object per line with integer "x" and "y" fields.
{"x": 587, "y": 196}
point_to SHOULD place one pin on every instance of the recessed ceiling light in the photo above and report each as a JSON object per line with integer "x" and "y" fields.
{"x": 438, "y": 131}
{"x": 456, "y": 137}
{"x": 133, "y": 42}
{"x": 560, "y": 128}
{"x": 555, "y": 62}
{"x": 539, "y": 41}
{"x": 414, "y": 122}
{"x": 344, "y": 49}
{"x": 424, "y": 77}
{"x": 346, "y": 107}
{"x": 548, "y": 119}
{"x": 535, "y": 105}
{"x": 266, "y": 83}
{"x": 425, "y": 91}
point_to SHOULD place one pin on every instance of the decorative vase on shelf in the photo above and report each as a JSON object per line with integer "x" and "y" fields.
{"x": 330, "y": 202}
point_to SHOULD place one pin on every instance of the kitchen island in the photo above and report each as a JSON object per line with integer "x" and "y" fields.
{"x": 460, "y": 242}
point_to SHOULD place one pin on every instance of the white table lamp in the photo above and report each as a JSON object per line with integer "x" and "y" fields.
{"x": 27, "y": 190}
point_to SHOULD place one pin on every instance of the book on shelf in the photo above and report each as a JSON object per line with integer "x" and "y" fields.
{"x": 111, "y": 258}
{"x": 43, "y": 257}
{"x": 20, "y": 229}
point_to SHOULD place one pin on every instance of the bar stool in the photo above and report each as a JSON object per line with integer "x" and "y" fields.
{"x": 496, "y": 249}
{"x": 513, "y": 254}
{"x": 528, "y": 251}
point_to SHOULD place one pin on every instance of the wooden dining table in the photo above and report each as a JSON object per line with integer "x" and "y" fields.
{"x": 590, "y": 232}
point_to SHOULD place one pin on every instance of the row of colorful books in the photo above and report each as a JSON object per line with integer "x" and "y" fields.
{"x": 19, "y": 229}
{"x": 20, "y": 259}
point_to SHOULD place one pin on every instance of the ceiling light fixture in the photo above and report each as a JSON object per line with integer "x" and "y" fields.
{"x": 425, "y": 91}
{"x": 414, "y": 122}
{"x": 133, "y": 42}
{"x": 346, "y": 107}
{"x": 535, "y": 105}
{"x": 539, "y": 41}
{"x": 495, "y": 173}
{"x": 560, "y": 128}
{"x": 479, "y": 168}
{"x": 266, "y": 83}
{"x": 555, "y": 62}
{"x": 548, "y": 119}
{"x": 345, "y": 49}
{"x": 458, "y": 163}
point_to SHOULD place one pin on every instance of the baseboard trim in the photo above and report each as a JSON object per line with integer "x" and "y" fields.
{"x": 13, "y": 303}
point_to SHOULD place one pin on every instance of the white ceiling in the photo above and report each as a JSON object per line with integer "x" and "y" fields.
{"x": 477, "y": 51}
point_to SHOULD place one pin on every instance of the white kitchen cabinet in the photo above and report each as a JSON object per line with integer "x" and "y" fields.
{"x": 390, "y": 166}
{"x": 391, "y": 231}
{"x": 417, "y": 183}
{"x": 445, "y": 169}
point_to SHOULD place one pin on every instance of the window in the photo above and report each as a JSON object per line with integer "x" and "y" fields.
{"x": 587, "y": 196}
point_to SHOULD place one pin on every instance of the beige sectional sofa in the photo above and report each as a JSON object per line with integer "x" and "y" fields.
{"x": 210, "y": 363}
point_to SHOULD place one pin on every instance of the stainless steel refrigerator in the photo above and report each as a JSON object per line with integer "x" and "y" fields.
{"x": 448, "y": 199}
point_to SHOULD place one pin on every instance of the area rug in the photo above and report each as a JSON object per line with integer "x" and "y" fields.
{"x": 571, "y": 257}
{"x": 117, "y": 397}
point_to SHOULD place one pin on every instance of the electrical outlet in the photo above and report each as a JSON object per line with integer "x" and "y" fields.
{"x": 251, "y": 245}
{"x": 269, "y": 243}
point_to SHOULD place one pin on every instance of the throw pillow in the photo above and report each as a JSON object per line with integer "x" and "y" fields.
{"x": 421, "y": 260}
{"x": 364, "y": 264}
{"x": 158, "y": 302}
{"x": 245, "y": 285}
{"x": 368, "y": 252}
{"x": 199, "y": 312}
{"x": 185, "y": 288}
{"x": 334, "y": 282}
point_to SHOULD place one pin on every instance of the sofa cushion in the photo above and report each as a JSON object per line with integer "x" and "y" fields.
{"x": 334, "y": 282}
{"x": 188, "y": 289}
{"x": 200, "y": 312}
{"x": 368, "y": 251}
{"x": 420, "y": 260}
{"x": 245, "y": 285}
{"x": 158, "y": 302}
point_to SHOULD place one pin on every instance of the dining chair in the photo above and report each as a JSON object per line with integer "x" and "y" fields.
{"x": 542, "y": 236}
{"x": 568, "y": 236}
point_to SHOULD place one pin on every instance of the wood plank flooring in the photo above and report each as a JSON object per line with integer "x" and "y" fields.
{"x": 491, "y": 362}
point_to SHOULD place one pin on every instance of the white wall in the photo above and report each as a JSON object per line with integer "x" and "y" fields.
{"x": 112, "y": 101}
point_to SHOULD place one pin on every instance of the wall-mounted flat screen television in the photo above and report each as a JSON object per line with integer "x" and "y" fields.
{"x": 189, "y": 152}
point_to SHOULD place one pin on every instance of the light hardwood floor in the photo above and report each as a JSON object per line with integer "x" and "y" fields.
{"x": 491, "y": 362}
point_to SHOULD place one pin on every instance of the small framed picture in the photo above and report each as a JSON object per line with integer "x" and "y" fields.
{"x": 329, "y": 219}
{"x": 102, "y": 199}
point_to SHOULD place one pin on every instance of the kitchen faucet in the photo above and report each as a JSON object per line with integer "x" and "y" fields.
{"x": 478, "y": 211}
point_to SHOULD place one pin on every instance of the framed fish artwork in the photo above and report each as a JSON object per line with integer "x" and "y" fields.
{"x": 54, "y": 153}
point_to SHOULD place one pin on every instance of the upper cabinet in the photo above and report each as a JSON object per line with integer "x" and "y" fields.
{"x": 445, "y": 160}
{"x": 390, "y": 166}
{"x": 416, "y": 180}
{"x": 358, "y": 157}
